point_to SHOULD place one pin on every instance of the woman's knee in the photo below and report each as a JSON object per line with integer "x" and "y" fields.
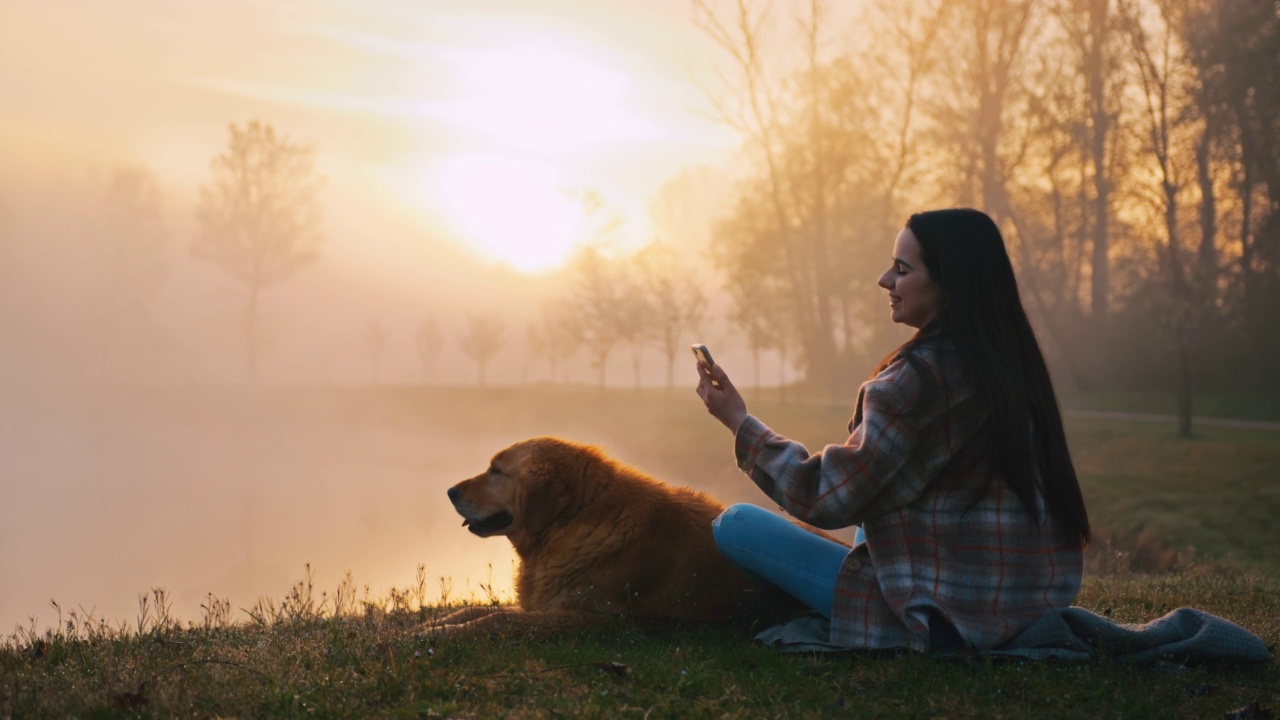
{"x": 733, "y": 519}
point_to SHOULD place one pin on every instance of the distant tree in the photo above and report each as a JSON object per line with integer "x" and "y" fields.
{"x": 1095, "y": 44}
{"x": 260, "y": 217}
{"x": 598, "y": 308}
{"x": 1165, "y": 80}
{"x": 906, "y": 56}
{"x": 553, "y": 337}
{"x": 986, "y": 77}
{"x": 597, "y": 301}
{"x": 633, "y": 313}
{"x": 374, "y": 339}
{"x": 537, "y": 348}
{"x": 428, "y": 341}
{"x": 673, "y": 299}
{"x": 482, "y": 338}
{"x": 758, "y": 315}
{"x": 684, "y": 208}
{"x": 128, "y": 254}
{"x": 818, "y": 176}
{"x": 1235, "y": 45}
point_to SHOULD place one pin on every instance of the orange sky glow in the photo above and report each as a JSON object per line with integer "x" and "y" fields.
{"x": 477, "y": 120}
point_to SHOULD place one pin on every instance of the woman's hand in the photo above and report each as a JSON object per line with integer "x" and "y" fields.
{"x": 722, "y": 399}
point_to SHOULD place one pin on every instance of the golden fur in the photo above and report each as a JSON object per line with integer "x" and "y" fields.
{"x": 595, "y": 538}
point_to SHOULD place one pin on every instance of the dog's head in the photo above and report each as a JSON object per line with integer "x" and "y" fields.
{"x": 526, "y": 488}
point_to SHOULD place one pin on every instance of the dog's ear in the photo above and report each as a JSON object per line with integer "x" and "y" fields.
{"x": 546, "y": 496}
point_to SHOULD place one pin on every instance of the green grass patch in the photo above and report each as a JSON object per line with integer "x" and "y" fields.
{"x": 375, "y": 663}
{"x": 1258, "y": 406}
{"x": 1215, "y": 495}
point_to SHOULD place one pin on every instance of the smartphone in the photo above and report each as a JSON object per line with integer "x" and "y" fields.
{"x": 701, "y": 352}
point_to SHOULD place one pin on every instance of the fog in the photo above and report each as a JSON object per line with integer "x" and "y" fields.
{"x": 134, "y": 453}
{"x": 153, "y": 464}
{"x": 232, "y": 491}
{"x": 113, "y": 494}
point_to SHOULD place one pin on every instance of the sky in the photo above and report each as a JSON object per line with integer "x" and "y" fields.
{"x": 457, "y": 140}
{"x": 475, "y": 120}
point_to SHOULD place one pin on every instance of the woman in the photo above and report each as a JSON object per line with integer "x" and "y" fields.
{"x": 956, "y": 467}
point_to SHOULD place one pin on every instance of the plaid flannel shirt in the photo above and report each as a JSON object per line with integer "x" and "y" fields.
{"x": 940, "y": 539}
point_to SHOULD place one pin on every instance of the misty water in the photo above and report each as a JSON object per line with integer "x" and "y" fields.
{"x": 110, "y": 493}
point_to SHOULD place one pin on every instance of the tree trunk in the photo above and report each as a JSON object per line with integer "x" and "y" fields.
{"x": 251, "y": 335}
{"x": 1207, "y": 257}
{"x": 1181, "y": 310}
{"x": 1184, "y": 375}
{"x": 1099, "y": 289}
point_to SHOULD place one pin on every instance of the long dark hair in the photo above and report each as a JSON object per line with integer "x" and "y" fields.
{"x": 981, "y": 313}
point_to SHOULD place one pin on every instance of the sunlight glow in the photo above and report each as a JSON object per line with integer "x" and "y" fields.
{"x": 514, "y": 210}
{"x": 540, "y": 97}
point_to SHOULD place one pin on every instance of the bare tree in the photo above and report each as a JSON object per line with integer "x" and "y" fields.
{"x": 129, "y": 255}
{"x": 553, "y": 336}
{"x": 374, "y": 339}
{"x": 814, "y": 140}
{"x": 685, "y": 207}
{"x": 1095, "y": 46}
{"x": 674, "y": 299}
{"x": 595, "y": 297}
{"x": 1235, "y": 45}
{"x": 986, "y": 74}
{"x": 482, "y": 338}
{"x": 537, "y": 348}
{"x": 1163, "y": 73}
{"x": 907, "y": 56}
{"x": 633, "y": 315}
{"x": 428, "y": 342}
{"x": 260, "y": 217}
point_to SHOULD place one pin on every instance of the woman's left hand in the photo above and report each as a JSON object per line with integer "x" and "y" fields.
{"x": 722, "y": 399}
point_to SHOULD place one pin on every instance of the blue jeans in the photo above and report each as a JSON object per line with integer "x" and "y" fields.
{"x": 773, "y": 550}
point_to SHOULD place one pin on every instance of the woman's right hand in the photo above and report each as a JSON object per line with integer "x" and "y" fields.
{"x": 722, "y": 399}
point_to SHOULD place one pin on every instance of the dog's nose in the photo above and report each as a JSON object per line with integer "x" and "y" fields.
{"x": 453, "y": 493}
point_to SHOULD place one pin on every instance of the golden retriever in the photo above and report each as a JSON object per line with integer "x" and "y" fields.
{"x": 595, "y": 539}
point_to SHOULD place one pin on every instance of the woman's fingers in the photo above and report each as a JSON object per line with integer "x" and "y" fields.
{"x": 721, "y": 378}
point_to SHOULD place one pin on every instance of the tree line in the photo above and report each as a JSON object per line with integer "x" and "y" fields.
{"x": 645, "y": 301}
{"x": 1129, "y": 149}
{"x": 259, "y": 224}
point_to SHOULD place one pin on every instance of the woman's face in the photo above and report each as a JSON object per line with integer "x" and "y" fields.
{"x": 913, "y": 296}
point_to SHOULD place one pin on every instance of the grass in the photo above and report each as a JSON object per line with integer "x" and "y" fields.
{"x": 1216, "y": 495}
{"x": 305, "y": 660}
{"x": 1260, "y": 406}
{"x": 1180, "y": 523}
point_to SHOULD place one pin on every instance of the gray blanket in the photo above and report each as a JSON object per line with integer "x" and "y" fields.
{"x": 1184, "y": 635}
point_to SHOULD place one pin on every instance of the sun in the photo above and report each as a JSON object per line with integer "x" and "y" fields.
{"x": 513, "y": 209}
{"x": 526, "y": 119}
